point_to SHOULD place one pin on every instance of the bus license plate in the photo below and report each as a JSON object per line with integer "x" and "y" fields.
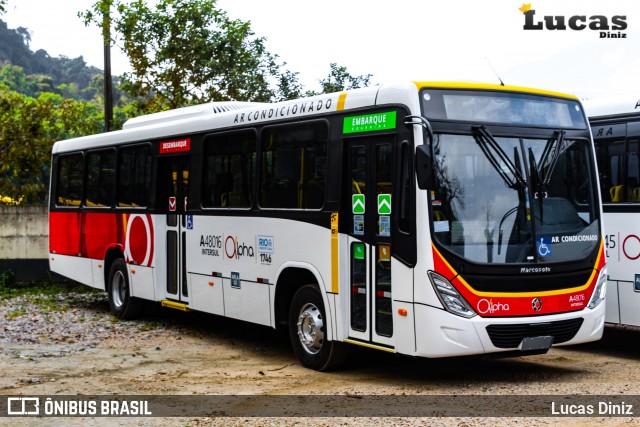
{"x": 536, "y": 343}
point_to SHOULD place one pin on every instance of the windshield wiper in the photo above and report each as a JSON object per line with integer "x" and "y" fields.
{"x": 537, "y": 183}
{"x": 496, "y": 155}
{"x": 540, "y": 181}
{"x": 556, "y": 147}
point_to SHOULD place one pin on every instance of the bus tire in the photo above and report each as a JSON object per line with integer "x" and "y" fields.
{"x": 307, "y": 332}
{"x": 121, "y": 303}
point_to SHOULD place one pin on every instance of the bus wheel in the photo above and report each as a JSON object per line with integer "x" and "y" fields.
{"x": 307, "y": 331}
{"x": 122, "y": 304}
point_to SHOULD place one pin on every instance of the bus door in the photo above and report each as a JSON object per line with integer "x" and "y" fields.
{"x": 174, "y": 182}
{"x": 369, "y": 170}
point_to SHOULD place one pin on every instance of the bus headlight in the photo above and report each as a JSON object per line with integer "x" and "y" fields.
{"x": 600, "y": 290}
{"x": 449, "y": 297}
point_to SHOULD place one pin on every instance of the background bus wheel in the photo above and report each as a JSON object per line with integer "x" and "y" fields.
{"x": 307, "y": 331}
{"x": 122, "y": 304}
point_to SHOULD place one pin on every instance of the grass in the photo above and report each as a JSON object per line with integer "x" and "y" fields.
{"x": 18, "y": 312}
{"x": 40, "y": 292}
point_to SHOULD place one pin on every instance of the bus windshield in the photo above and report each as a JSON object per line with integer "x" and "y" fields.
{"x": 514, "y": 199}
{"x": 515, "y": 179}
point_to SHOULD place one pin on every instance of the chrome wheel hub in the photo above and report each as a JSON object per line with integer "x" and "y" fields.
{"x": 311, "y": 328}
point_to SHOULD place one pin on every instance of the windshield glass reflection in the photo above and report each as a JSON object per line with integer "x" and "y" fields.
{"x": 514, "y": 200}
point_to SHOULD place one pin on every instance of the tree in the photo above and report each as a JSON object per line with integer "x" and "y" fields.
{"x": 339, "y": 79}
{"x": 32, "y": 85}
{"x": 188, "y": 51}
{"x": 289, "y": 87}
{"x": 2, "y": 6}
{"x": 28, "y": 128}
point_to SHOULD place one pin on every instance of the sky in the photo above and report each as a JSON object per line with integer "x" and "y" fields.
{"x": 455, "y": 40}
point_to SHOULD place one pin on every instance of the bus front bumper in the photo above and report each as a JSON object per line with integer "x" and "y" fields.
{"x": 442, "y": 334}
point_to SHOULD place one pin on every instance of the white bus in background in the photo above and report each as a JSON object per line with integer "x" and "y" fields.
{"x": 616, "y": 132}
{"x": 427, "y": 219}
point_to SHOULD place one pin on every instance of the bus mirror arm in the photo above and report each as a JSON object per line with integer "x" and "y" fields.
{"x": 424, "y": 167}
{"x": 424, "y": 163}
{"x": 419, "y": 120}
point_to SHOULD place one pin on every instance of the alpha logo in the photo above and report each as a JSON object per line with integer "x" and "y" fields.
{"x": 236, "y": 250}
{"x": 600, "y": 23}
{"x": 637, "y": 104}
{"x": 536, "y": 304}
{"x": 487, "y": 306}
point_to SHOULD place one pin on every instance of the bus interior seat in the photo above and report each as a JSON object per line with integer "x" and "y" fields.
{"x": 616, "y": 193}
{"x": 438, "y": 215}
{"x": 632, "y": 186}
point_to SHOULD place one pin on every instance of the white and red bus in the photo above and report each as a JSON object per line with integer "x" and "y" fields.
{"x": 426, "y": 219}
{"x": 616, "y": 132}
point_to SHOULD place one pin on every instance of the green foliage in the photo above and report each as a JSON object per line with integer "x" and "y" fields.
{"x": 40, "y": 291}
{"x": 289, "y": 87}
{"x": 28, "y": 128}
{"x": 339, "y": 79}
{"x": 38, "y": 72}
{"x": 186, "y": 52}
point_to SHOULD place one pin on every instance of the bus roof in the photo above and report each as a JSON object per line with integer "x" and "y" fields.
{"x": 185, "y": 113}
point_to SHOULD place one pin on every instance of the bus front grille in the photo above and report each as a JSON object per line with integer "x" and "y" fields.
{"x": 510, "y": 336}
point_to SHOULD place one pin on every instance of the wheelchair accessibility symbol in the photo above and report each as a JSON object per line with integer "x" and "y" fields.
{"x": 544, "y": 246}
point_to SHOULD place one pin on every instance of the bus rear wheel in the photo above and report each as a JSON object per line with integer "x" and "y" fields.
{"x": 122, "y": 304}
{"x": 307, "y": 331}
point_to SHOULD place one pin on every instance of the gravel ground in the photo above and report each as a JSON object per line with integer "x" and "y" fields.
{"x": 69, "y": 344}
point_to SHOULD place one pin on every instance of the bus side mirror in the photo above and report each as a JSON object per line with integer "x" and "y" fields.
{"x": 424, "y": 168}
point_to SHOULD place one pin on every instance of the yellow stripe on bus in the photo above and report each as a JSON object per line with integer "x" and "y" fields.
{"x": 364, "y": 344}
{"x": 334, "y": 252}
{"x": 175, "y": 305}
{"x": 496, "y": 87}
{"x": 525, "y": 294}
{"x": 341, "y": 99}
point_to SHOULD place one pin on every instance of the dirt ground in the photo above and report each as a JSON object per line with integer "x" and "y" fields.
{"x": 174, "y": 353}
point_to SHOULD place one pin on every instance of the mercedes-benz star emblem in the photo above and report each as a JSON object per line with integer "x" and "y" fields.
{"x": 536, "y": 304}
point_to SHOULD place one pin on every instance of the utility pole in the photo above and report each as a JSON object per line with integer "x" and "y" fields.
{"x": 108, "y": 84}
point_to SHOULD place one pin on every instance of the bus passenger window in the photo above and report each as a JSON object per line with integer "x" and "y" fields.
{"x": 611, "y": 162}
{"x": 633, "y": 172}
{"x": 101, "y": 180}
{"x": 229, "y": 170}
{"x": 134, "y": 176}
{"x": 69, "y": 180}
{"x": 294, "y": 166}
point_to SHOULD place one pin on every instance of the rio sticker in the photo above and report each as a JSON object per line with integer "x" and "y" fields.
{"x": 265, "y": 249}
